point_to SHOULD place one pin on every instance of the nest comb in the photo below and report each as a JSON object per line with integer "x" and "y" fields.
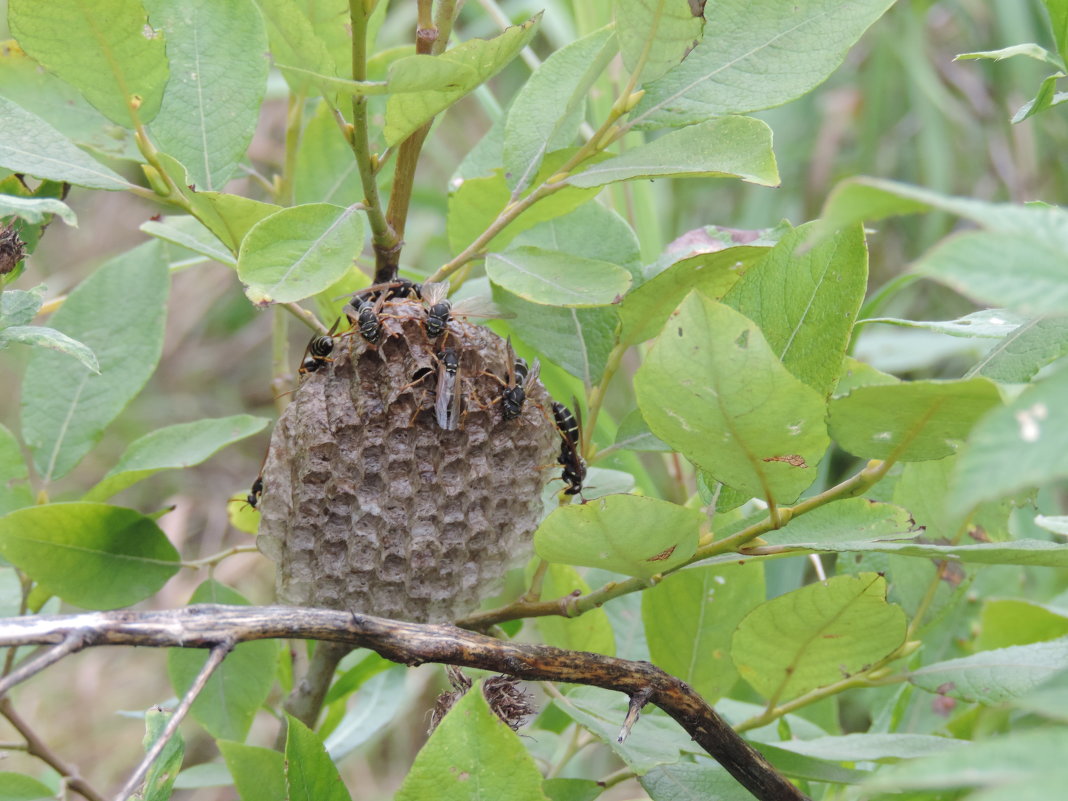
{"x": 370, "y": 506}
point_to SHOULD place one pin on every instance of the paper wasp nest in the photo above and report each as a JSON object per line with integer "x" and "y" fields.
{"x": 369, "y": 505}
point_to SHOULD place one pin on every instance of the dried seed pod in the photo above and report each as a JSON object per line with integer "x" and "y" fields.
{"x": 370, "y": 505}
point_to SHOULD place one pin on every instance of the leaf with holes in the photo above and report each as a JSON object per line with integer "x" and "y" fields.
{"x": 106, "y": 49}
{"x": 910, "y": 421}
{"x": 690, "y": 617}
{"x": 712, "y": 388}
{"x": 1022, "y": 445}
{"x": 817, "y": 635}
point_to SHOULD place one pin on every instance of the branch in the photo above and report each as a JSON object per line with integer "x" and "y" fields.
{"x": 35, "y": 746}
{"x": 215, "y": 658}
{"x": 210, "y": 626}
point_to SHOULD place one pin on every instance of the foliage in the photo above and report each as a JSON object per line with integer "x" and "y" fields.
{"x": 762, "y": 406}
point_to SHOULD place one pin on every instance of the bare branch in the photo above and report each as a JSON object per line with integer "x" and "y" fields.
{"x": 215, "y": 658}
{"x": 72, "y": 643}
{"x": 209, "y": 625}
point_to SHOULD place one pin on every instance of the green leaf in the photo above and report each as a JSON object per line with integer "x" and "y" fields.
{"x": 36, "y": 209}
{"x": 1038, "y": 553}
{"x": 1012, "y": 270}
{"x": 1021, "y": 354}
{"x": 571, "y": 789}
{"x": 1030, "y": 50}
{"x": 484, "y": 58}
{"x": 547, "y": 110}
{"x": 89, "y": 554}
{"x": 556, "y": 278}
{"x": 995, "y": 323}
{"x": 850, "y": 520}
{"x": 1009, "y": 621}
{"x": 805, "y": 301}
{"x": 19, "y": 787}
{"x": 615, "y": 242}
{"x": 629, "y": 534}
{"x": 990, "y": 677}
{"x": 32, "y": 146}
{"x": 634, "y": 434}
{"x": 310, "y": 775}
{"x": 15, "y": 492}
{"x": 295, "y": 43}
{"x": 238, "y": 687}
{"x": 656, "y": 739}
{"x": 478, "y": 201}
{"x": 1046, "y": 98}
{"x": 65, "y": 407}
{"x": 160, "y": 778}
{"x": 23, "y": 82}
{"x": 326, "y": 172}
{"x": 1031, "y": 760}
{"x": 689, "y": 620}
{"x": 1058, "y": 17}
{"x": 858, "y": 199}
{"x": 258, "y": 773}
{"x": 212, "y": 102}
{"x": 188, "y": 232}
{"x": 106, "y": 49}
{"x": 1022, "y": 445}
{"x": 757, "y": 56}
{"x": 727, "y": 147}
{"x": 646, "y": 308}
{"x": 689, "y": 781}
{"x": 19, "y": 306}
{"x": 817, "y": 635}
{"x": 299, "y": 251}
{"x": 871, "y": 747}
{"x": 660, "y": 31}
{"x": 378, "y": 704}
{"x": 712, "y": 388}
{"x": 911, "y": 421}
{"x": 230, "y": 217}
{"x": 588, "y": 632}
{"x": 472, "y": 756}
{"x": 173, "y": 447}
{"x": 40, "y": 336}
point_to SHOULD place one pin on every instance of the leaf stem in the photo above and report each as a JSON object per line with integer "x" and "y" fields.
{"x": 597, "y": 395}
{"x": 214, "y": 559}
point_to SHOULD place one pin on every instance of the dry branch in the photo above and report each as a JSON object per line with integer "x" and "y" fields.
{"x": 210, "y": 626}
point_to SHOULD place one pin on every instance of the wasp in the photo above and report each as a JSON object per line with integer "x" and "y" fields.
{"x": 447, "y": 399}
{"x": 574, "y": 472}
{"x": 521, "y": 380}
{"x": 253, "y": 497}
{"x": 439, "y": 309}
{"x": 319, "y": 348}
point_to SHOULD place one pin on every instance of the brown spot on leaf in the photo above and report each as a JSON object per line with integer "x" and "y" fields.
{"x": 943, "y": 706}
{"x": 793, "y": 459}
{"x": 978, "y": 533}
{"x": 660, "y": 557}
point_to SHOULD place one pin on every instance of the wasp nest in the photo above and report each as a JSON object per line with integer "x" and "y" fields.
{"x": 397, "y": 483}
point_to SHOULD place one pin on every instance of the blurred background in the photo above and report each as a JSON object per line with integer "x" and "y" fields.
{"x": 898, "y": 108}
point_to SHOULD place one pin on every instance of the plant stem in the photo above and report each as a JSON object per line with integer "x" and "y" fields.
{"x": 385, "y": 242}
{"x": 284, "y": 188}
{"x": 597, "y": 395}
{"x": 214, "y": 559}
{"x": 571, "y": 606}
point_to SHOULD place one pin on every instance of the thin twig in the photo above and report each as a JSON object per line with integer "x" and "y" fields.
{"x": 36, "y": 747}
{"x": 72, "y": 643}
{"x": 215, "y": 658}
{"x": 213, "y": 626}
